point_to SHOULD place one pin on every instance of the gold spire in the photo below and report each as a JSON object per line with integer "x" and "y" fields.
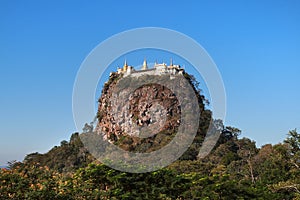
{"x": 144, "y": 65}
{"x": 125, "y": 67}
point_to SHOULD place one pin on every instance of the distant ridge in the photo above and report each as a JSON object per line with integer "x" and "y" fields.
{"x": 2, "y": 167}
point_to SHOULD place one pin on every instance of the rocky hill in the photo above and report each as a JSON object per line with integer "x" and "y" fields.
{"x": 141, "y": 117}
{"x": 152, "y": 107}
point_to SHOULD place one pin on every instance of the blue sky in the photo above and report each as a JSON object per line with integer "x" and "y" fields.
{"x": 255, "y": 45}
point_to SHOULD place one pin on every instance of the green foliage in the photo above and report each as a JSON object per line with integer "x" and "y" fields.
{"x": 67, "y": 157}
{"x": 97, "y": 181}
{"x": 236, "y": 169}
{"x": 293, "y": 142}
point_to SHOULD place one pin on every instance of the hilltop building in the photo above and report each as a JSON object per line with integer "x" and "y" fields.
{"x": 158, "y": 69}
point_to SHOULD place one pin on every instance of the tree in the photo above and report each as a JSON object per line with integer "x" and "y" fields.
{"x": 293, "y": 142}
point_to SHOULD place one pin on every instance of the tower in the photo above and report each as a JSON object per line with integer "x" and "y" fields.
{"x": 144, "y": 65}
{"x": 125, "y": 67}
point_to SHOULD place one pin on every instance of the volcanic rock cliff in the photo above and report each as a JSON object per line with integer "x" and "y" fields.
{"x": 128, "y": 107}
{"x": 141, "y": 117}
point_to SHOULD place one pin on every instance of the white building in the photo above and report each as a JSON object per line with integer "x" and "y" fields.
{"x": 158, "y": 69}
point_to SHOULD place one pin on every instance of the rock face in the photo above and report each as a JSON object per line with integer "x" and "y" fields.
{"x": 155, "y": 106}
{"x": 141, "y": 117}
{"x": 138, "y": 119}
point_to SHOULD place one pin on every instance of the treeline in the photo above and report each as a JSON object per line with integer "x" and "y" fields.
{"x": 236, "y": 169}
